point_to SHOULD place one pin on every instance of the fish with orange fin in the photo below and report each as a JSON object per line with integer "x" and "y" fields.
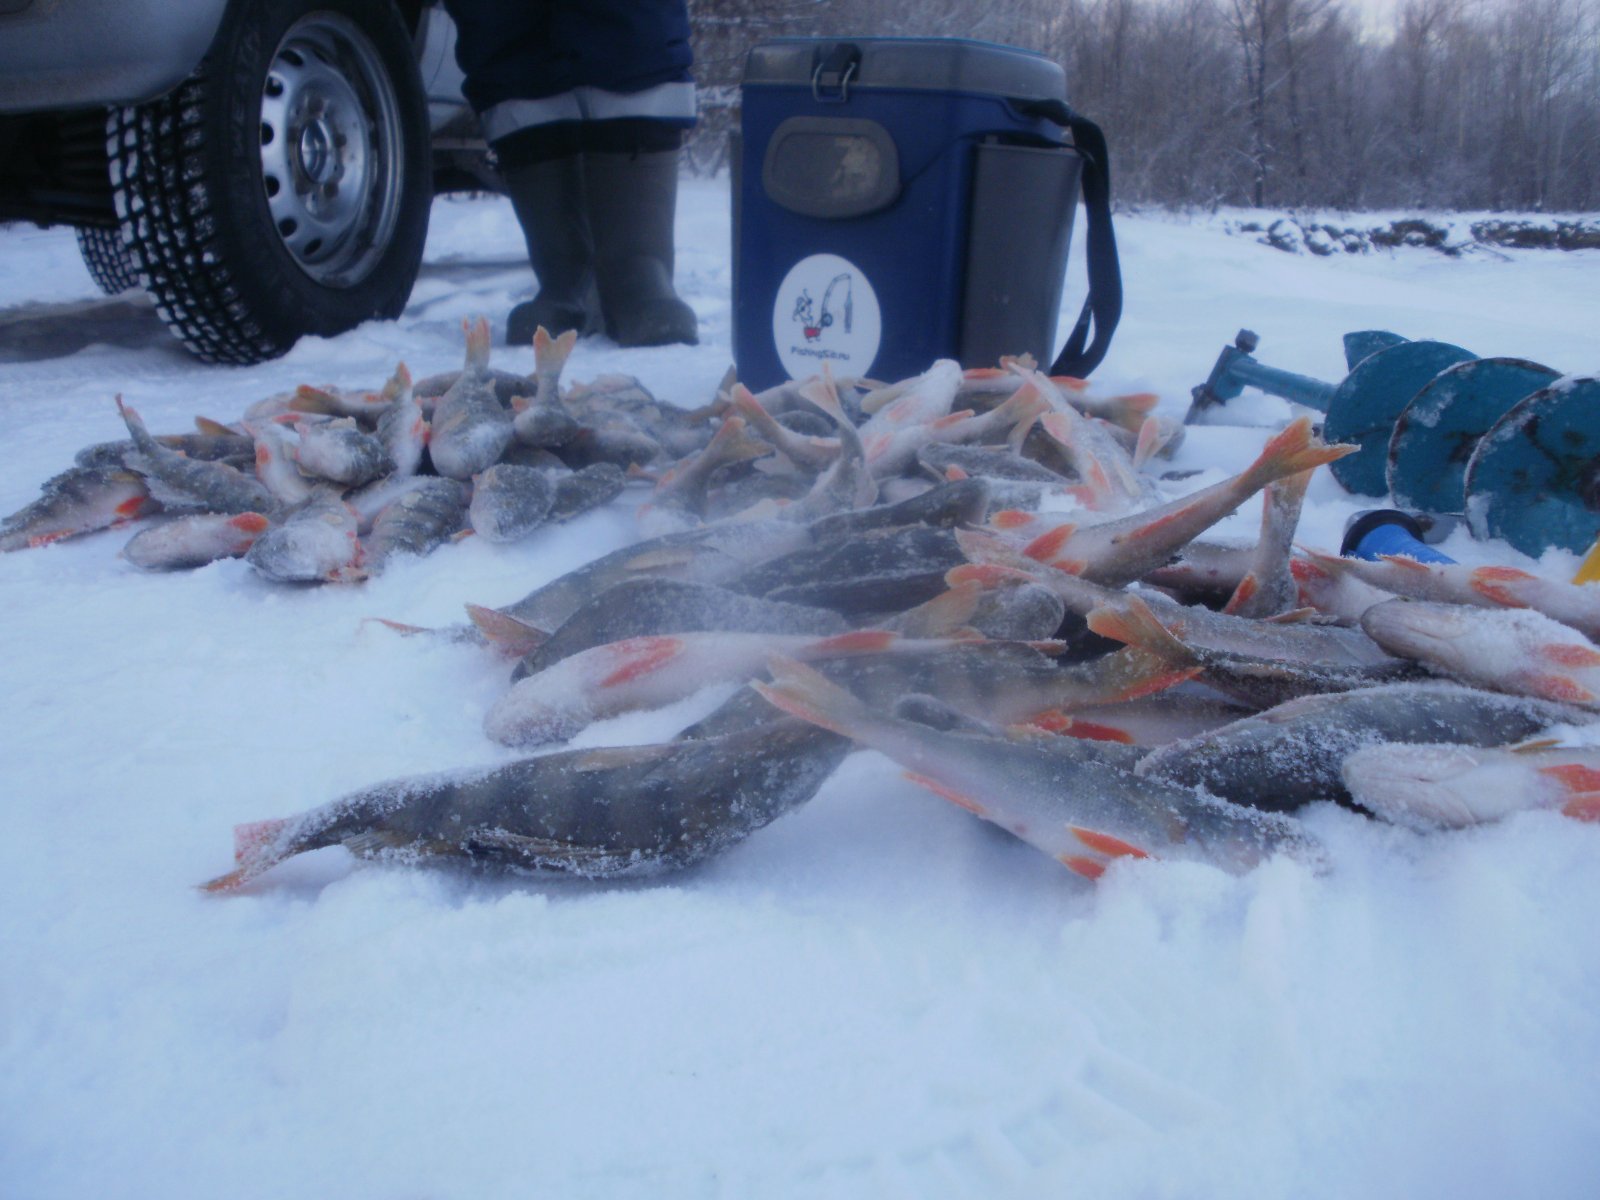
{"x": 1291, "y": 755}
{"x": 678, "y": 502}
{"x": 1257, "y": 679}
{"x": 1268, "y": 587}
{"x": 1577, "y": 605}
{"x": 1128, "y": 548}
{"x": 1060, "y": 795}
{"x": 318, "y": 543}
{"x": 616, "y": 811}
{"x": 1104, "y": 468}
{"x": 178, "y": 481}
{"x": 194, "y": 540}
{"x": 79, "y": 500}
{"x": 648, "y": 672}
{"x": 1427, "y": 787}
{"x": 471, "y": 428}
{"x": 1512, "y": 650}
{"x": 402, "y": 428}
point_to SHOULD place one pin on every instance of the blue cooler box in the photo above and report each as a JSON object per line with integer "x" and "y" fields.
{"x": 897, "y": 201}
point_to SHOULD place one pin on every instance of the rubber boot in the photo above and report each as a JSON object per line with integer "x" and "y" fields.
{"x": 632, "y": 200}
{"x": 549, "y": 202}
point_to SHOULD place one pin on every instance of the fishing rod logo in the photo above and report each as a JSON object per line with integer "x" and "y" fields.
{"x": 826, "y": 311}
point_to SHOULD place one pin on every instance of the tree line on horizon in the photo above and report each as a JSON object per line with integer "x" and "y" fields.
{"x": 1452, "y": 104}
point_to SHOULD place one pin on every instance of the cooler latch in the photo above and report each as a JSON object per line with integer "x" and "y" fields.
{"x": 830, "y": 79}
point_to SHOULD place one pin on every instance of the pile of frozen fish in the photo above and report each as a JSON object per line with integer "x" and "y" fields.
{"x": 322, "y": 485}
{"x": 977, "y": 573}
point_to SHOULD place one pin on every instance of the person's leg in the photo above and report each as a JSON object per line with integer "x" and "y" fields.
{"x": 631, "y": 193}
{"x": 584, "y": 103}
{"x": 545, "y": 182}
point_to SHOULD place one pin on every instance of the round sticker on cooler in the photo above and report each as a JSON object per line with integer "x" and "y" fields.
{"x": 826, "y": 312}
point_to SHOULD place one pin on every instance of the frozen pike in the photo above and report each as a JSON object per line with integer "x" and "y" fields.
{"x": 959, "y": 502}
{"x": 181, "y": 482}
{"x": 880, "y": 571}
{"x": 648, "y": 672}
{"x": 193, "y": 540}
{"x": 1427, "y": 787}
{"x": 1126, "y": 549}
{"x": 340, "y": 452}
{"x": 402, "y": 429}
{"x": 715, "y": 554}
{"x": 471, "y": 427}
{"x": 318, "y": 543}
{"x": 1512, "y": 650}
{"x": 650, "y": 607}
{"x": 1059, "y": 795}
{"x": 427, "y": 515}
{"x": 993, "y": 562}
{"x": 1255, "y": 679}
{"x": 1269, "y": 588}
{"x": 1574, "y": 604}
{"x": 79, "y": 500}
{"x": 629, "y": 810}
{"x": 1292, "y": 754}
{"x": 509, "y": 502}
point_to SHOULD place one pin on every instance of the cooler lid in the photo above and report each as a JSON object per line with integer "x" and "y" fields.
{"x": 923, "y": 64}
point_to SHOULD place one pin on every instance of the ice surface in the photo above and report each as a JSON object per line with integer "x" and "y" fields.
{"x": 875, "y": 996}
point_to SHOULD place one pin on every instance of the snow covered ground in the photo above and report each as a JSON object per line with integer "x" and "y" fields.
{"x": 875, "y": 996}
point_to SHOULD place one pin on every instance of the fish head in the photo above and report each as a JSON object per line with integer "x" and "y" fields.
{"x": 1420, "y": 786}
{"x": 1416, "y": 629}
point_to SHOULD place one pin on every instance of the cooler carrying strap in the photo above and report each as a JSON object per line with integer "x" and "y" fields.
{"x": 1103, "y": 307}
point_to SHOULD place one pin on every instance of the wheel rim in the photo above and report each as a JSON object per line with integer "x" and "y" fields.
{"x": 331, "y": 149}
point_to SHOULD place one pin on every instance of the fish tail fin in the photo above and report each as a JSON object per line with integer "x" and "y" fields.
{"x": 551, "y": 353}
{"x": 135, "y": 423}
{"x": 731, "y": 444}
{"x": 989, "y": 549}
{"x": 1291, "y": 451}
{"x": 398, "y": 384}
{"x": 802, "y": 692}
{"x": 308, "y": 399}
{"x": 1583, "y": 808}
{"x": 258, "y": 846}
{"x": 1243, "y": 593}
{"x": 1134, "y": 623}
{"x": 1149, "y": 442}
{"x": 478, "y": 341}
{"x": 945, "y": 613}
{"x": 211, "y": 427}
{"x": 508, "y": 633}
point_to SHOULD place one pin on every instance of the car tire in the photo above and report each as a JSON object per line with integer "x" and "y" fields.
{"x": 283, "y": 189}
{"x": 107, "y": 260}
